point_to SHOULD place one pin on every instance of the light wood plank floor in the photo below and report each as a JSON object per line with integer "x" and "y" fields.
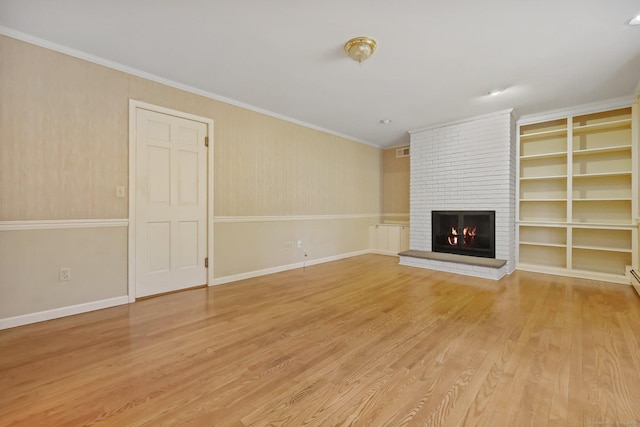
{"x": 360, "y": 341}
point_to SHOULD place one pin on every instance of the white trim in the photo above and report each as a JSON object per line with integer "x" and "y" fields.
{"x": 131, "y": 238}
{"x": 384, "y": 252}
{"x": 457, "y": 122}
{"x": 272, "y": 270}
{"x": 134, "y": 71}
{"x": 62, "y": 223}
{"x": 595, "y": 107}
{"x": 291, "y": 218}
{"x": 41, "y": 316}
{"x": 134, "y": 105}
{"x": 580, "y": 274}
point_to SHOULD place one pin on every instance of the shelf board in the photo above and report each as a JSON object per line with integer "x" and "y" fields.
{"x": 602, "y": 226}
{"x": 532, "y": 178}
{"x": 602, "y": 248}
{"x": 556, "y": 224}
{"x": 586, "y": 225}
{"x": 601, "y": 175}
{"x": 602, "y": 150}
{"x": 549, "y": 245}
{"x": 533, "y": 135}
{"x": 614, "y": 124}
{"x": 620, "y": 224}
{"x": 609, "y": 199}
{"x": 601, "y": 275}
{"x": 541, "y": 268}
{"x": 544, "y": 156}
{"x": 543, "y": 200}
{"x": 543, "y": 221}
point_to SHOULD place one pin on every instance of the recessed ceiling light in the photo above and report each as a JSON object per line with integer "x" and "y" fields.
{"x": 495, "y": 92}
{"x": 385, "y": 121}
{"x": 635, "y": 20}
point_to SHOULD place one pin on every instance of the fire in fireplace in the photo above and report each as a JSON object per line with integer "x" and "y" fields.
{"x": 463, "y": 232}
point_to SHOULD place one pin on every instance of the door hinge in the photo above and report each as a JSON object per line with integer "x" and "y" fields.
{"x": 206, "y": 141}
{"x": 206, "y": 263}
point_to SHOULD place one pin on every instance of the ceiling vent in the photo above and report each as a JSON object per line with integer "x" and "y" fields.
{"x": 402, "y": 152}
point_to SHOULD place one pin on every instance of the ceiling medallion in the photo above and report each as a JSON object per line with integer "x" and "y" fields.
{"x": 360, "y": 48}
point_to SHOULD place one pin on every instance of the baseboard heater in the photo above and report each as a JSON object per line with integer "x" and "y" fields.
{"x": 635, "y": 280}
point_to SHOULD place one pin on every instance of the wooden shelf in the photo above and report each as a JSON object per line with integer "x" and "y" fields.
{"x": 593, "y": 151}
{"x": 544, "y": 133}
{"x": 602, "y": 175}
{"x": 611, "y": 199}
{"x": 614, "y": 124}
{"x": 551, "y": 245}
{"x": 599, "y": 237}
{"x": 599, "y": 261}
{"x": 543, "y": 177}
{"x": 537, "y": 268}
{"x": 602, "y": 226}
{"x": 598, "y": 187}
{"x": 601, "y": 248}
{"x": 617, "y": 276}
{"x": 544, "y": 156}
{"x": 546, "y": 256}
{"x": 542, "y": 224}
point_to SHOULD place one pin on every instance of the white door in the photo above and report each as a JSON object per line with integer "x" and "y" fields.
{"x": 171, "y": 203}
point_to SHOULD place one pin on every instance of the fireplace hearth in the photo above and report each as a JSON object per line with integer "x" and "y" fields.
{"x": 464, "y": 233}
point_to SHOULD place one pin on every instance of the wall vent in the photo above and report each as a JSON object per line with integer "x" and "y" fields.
{"x": 402, "y": 152}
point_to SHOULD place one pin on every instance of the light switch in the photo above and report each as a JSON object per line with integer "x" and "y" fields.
{"x": 120, "y": 191}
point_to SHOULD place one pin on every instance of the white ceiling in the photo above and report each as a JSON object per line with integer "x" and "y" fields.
{"x": 435, "y": 62}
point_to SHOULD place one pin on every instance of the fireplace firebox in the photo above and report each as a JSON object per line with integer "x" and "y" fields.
{"x": 464, "y": 232}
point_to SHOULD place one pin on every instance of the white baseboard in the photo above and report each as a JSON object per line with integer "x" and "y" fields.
{"x": 258, "y": 273}
{"x": 383, "y": 252}
{"x": 41, "y": 316}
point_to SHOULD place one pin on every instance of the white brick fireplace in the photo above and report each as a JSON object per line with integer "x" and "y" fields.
{"x": 469, "y": 165}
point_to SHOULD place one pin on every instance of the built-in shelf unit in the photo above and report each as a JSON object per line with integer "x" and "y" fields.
{"x": 578, "y": 195}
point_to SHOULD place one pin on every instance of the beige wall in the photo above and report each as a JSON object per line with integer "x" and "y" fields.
{"x": 29, "y": 262}
{"x": 64, "y": 149}
{"x": 395, "y": 187}
{"x": 261, "y": 242}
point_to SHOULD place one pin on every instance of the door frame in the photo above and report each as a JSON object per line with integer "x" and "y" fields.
{"x": 134, "y": 105}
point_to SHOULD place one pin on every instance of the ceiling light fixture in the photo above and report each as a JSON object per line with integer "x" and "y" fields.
{"x": 360, "y": 48}
{"x": 635, "y": 20}
{"x": 495, "y": 92}
{"x": 385, "y": 121}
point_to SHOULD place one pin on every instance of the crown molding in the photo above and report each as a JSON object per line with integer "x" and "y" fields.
{"x": 143, "y": 74}
{"x": 467, "y": 120}
{"x": 595, "y": 107}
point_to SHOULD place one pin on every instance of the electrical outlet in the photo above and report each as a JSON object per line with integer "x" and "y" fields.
{"x": 64, "y": 274}
{"x": 288, "y": 245}
{"x": 120, "y": 191}
{"x": 300, "y": 243}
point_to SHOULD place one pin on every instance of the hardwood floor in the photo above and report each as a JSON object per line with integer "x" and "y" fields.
{"x": 360, "y": 341}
